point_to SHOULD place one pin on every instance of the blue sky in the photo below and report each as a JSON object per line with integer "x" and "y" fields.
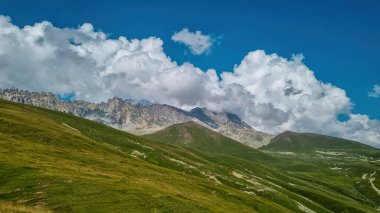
{"x": 339, "y": 39}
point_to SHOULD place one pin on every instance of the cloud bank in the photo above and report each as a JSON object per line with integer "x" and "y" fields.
{"x": 375, "y": 93}
{"x": 269, "y": 92}
{"x": 195, "y": 41}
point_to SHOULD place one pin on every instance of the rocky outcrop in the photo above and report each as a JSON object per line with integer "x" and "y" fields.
{"x": 230, "y": 125}
{"x": 142, "y": 118}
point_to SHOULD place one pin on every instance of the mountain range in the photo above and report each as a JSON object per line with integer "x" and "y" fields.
{"x": 142, "y": 118}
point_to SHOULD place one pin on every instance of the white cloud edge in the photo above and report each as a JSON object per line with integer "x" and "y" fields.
{"x": 270, "y": 92}
{"x": 197, "y": 42}
{"x": 375, "y": 93}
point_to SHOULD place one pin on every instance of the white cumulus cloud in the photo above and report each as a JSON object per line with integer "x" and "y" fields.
{"x": 375, "y": 93}
{"x": 195, "y": 41}
{"x": 269, "y": 92}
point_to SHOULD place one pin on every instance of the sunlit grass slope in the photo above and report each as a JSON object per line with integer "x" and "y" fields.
{"x": 308, "y": 142}
{"x": 51, "y": 161}
{"x": 195, "y": 136}
{"x": 68, "y": 164}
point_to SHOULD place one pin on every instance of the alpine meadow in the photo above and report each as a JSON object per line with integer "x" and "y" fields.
{"x": 190, "y": 106}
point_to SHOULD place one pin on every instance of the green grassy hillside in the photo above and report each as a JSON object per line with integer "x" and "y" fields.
{"x": 195, "y": 136}
{"x": 308, "y": 142}
{"x": 333, "y": 162}
{"x": 51, "y": 161}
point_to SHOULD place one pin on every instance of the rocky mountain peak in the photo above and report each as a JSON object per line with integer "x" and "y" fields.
{"x": 142, "y": 118}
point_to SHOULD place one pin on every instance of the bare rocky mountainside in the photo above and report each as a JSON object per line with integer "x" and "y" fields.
{"x": 139, "y": 118}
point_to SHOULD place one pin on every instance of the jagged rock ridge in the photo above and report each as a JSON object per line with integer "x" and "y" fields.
{"x": 140, "y": 118}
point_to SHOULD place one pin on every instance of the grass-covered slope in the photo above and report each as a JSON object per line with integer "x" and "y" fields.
{"x": 308, "y": 142}
{"x": 195, "y": 136}
{"x": 68, "y": 164}
{"x": 51, "y": 161}
{"x": 346, "y": 166}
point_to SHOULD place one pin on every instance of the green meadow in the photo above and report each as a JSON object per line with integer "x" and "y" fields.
{"x": 55, "y": 162}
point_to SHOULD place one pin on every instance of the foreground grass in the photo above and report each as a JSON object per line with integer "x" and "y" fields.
{"x": 69, "y": 164}
{"x": 54, "y": 161}
{"x": 15, "y": 208}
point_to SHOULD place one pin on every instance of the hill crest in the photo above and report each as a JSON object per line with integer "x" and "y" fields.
{"x": 296, "y": 142}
